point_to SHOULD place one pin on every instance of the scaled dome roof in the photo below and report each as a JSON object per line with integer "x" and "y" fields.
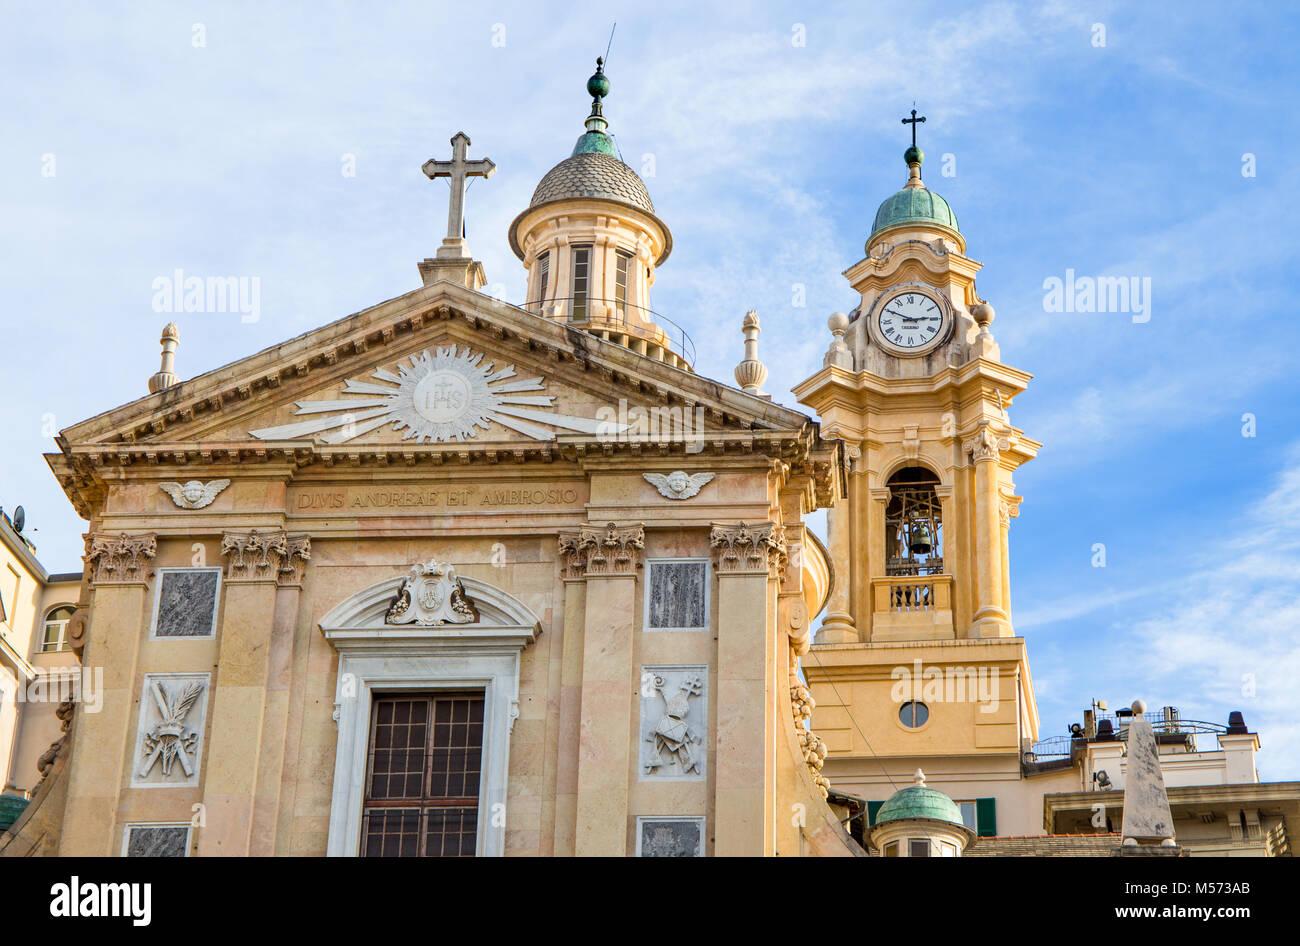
{"x": 593, "y": 171}
{"x": 593, "y": 174}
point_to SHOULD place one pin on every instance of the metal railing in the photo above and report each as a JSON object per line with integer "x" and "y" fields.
{"x": 1163, "y": 722}
{"x": 676, "y": 338}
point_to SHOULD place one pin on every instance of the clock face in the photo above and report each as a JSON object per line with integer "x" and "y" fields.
{"x": 910, "y": 320}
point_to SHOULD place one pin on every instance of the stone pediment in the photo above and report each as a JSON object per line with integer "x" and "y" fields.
{"x": 428, "y": 367}
{"x": 440, "y": 374}
{"x": 450, "y": 388}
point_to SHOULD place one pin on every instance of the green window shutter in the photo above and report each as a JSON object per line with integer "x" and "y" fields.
{"x": 986, "y": 817}
{"x": 872, "y": 808}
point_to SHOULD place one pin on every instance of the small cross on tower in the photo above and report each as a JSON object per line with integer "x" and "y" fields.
{"x": 457, "y": 169}
{"x": 913, "y": 121}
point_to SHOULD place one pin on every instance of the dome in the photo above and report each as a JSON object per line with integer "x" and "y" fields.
{"x": 593, "y": 171}
{"x": 593, "y": 174}
{"x": 915, "y": 204}
{"x": 918, "y": 801}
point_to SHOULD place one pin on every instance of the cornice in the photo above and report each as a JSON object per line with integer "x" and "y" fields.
{"x": 920, "y": 254}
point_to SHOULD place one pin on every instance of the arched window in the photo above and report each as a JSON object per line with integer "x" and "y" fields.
{"x": 913, "y": 524}
{"x": 56, "y": 629}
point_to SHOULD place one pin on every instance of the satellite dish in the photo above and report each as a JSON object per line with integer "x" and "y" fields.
{"x": 20, "y": 519}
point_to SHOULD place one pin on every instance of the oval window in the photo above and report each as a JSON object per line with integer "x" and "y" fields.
{"x": 913, "y": 714}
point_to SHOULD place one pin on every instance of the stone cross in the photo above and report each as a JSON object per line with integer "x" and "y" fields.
{"x": 457, "y": 169}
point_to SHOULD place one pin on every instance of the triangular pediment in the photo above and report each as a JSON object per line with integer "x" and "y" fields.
{"x": 447, "y": 386}
{"x": 440, "y": 365}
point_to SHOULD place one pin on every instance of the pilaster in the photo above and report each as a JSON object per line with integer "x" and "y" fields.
{"x": 749, "y": 560}
{"x": 254, "y": 627}
{"x": 611, "y": 557}
{"x": 120, "y": 568}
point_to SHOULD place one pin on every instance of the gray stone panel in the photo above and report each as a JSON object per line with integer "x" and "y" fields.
{"x": 672, "y": 838}
{"x": 186, "y": 603}
{"x": 678, "y": 594}
{"x": 156, "y": 840}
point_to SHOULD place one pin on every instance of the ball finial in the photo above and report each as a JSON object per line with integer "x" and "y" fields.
{"x": 598, "y": 84}
{"x": 1139, "y": 707}
{"x": 913, "y": 155}
{"x": 838, "y": 323}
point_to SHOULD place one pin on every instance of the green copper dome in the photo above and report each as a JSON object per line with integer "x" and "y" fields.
{"x": 11, "y": 808}
{"x": 915, "y": 204}
{"x": 918, "y": 801}
{"x": 594, "y": 142}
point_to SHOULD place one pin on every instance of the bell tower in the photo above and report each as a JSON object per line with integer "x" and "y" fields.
{"x": 914, "y": 385}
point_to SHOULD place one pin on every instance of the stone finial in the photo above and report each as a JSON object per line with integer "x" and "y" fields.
{"x": 166, "y": 376}
{"x": 919, "y": 777}
{"x": 838, "y": 354}
{"x": 983, "y": 314}
{"x": 751, "y": 373}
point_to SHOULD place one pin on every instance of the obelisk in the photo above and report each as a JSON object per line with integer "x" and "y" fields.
{"x": 1147, "y": 820}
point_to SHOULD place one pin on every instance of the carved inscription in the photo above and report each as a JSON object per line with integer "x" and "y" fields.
{"x": 423, "y": 498}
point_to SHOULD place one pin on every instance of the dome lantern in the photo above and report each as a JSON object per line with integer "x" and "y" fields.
{"x": 590, "y": 240}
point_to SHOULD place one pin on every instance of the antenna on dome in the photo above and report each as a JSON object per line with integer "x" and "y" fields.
{"x": 611, "y": 41}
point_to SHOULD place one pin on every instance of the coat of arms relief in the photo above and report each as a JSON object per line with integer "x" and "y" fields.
{"x": 431, "y": 594}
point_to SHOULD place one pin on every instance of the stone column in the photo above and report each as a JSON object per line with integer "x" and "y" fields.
{"x": 837, "y": 627}
{"x": 104, "y": 742}
{"x": 239, "y": 690}
{"x": 610, "y": 689}
{"x": 749, "y": 560}
{"x": 990, "y": 618}
{"x": 1006, "y": 512}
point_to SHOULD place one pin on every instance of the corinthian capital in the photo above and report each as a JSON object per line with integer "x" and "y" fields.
{"x": 614, "y": 550}
{"x": 266, "y": 556}
{"x": 749, "y": 548}
{"x": 573, "y": 556}
{"x": 122, "y": 557}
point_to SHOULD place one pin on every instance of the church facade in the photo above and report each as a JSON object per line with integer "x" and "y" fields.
{"x": 452, "y": 576}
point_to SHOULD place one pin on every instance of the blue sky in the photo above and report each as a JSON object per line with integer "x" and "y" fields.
{"x": 769, "y": 160}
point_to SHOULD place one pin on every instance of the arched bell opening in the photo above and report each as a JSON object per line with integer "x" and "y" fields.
{"x": 913, "y": 524}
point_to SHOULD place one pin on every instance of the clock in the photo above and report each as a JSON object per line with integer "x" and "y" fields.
{"x": 911, "y": 320}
